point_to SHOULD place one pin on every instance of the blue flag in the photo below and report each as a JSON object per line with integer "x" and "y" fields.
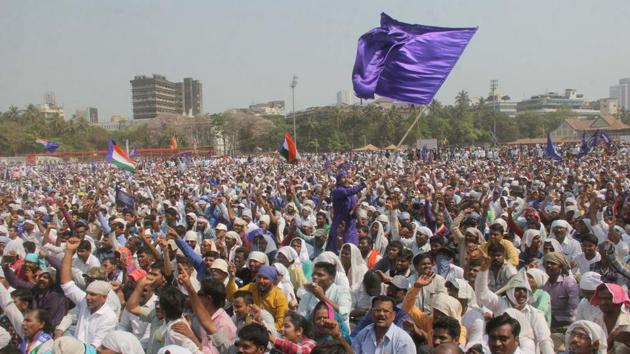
{"x": 551, "y": 151}
{"x": 605, "y": 138}
{"x": 424, "y": 153}
{"x": 405, "y": 62}
{"x": 584, "y": 147}
{"x": 48, "y": 145}
{"x": 594, "y": 139}
{"x": 124, "y": 199}
{"x": 133, "y": 153}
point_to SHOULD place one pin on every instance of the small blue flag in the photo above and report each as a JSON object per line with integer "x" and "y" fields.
{"x": 605, "y": 138}
{"x": 551, "y": 151}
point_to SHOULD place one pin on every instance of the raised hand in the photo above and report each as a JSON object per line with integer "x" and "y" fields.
{"x": 424, "y": 280}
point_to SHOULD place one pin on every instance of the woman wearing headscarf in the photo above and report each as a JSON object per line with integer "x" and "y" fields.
{"x": 323, "y": 313}
{"x": 563, "y": 289}
{"x": 263, "y": 241}
{"x": 531, "y": 247}
{"x": 232, "y": 242}
{"x": 289, "y": 258}
{"x": 378, "y": 236}
{"x": 284, "y": 283}
{"x": 614, "y": 303}
{"x": 121, "y": 342}
{"x": 515, "y": 294}
{"x": 353, "y": 264}
{"x": 340, "y": 279}
{"x": 540, "y": 298}
{"x": 302, "y": 248}
{"x": 585, "y": 337}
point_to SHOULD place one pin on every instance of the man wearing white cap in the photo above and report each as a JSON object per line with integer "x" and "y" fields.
{"x": 94, "y": 318}
{"x": 589, "y": 282}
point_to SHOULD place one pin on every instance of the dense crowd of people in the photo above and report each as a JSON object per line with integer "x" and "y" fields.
{"x": 475, "y": 251}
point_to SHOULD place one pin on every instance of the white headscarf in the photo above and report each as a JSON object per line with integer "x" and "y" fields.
{"x": 560, "y": 223}
{"x": 234, "y": 236}
{"x": 380, "y": 243}
{"x": 594, "y": 331}
{"x": 271, "y": 243}
{"x": 340, "y": 278}
{"x": 17, "y": 246}
{"x": 122, "y": 342}
{"x": 358, "y": 268}
{"x": 258, "y": 256}
{"x": 305, "y": 251}
{"x": 290, "y": 255}
{"x": 539, "y": 276}
{"x": 528, "y": 237}
{"x": 285, "y": 284}
{"x": 173, "y": 349}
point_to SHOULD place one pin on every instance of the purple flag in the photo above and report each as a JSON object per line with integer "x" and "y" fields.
{"x": 405, "y": 62}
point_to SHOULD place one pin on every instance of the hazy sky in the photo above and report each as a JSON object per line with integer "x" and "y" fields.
{"x": 247, "y": 51}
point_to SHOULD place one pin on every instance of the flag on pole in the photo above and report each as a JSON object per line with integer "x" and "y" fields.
{"x": 584, "y": 147}
{"x": 124, "y": 199}
{"x": 133, "y": 153}
{"x": 117, "y": 157}
{"x": 287, "y": 148}
{"x": 173, "y": 143}
{"x": 47, "y": 144}
{"x": 605, "y": 138}
{"x": 551, "y": 151}
{"x": 405, "y": 62}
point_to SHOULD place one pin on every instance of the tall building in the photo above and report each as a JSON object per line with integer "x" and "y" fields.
{"x": 90, "y": 114}
{"x": 155, "y": 95}
{"x": 345, "y": 98}
{"x": 621, "y": 92}
{"x": 191, "y": 97}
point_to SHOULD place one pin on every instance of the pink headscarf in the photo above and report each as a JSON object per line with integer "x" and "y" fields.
{"x": 619, "y": 295}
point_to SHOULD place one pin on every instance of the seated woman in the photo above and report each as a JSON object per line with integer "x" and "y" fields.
{"x": 540, "y": 298}
{"x": 296, "y": 334}
{"x": 290, "y": 259}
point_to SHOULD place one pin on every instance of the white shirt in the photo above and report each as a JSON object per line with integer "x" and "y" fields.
{"x": 91, "y": 328}
{"x": 498, "y": 304}
{"x": 475, "y": 325}
{"x": 172, "y": 337}
{"x": 586, "y": 311}
{"x": 582, "y": 264}
{"x": 337, "y": 294}
{"x": 92, "y": 261}
{"x": 136, "y": 326}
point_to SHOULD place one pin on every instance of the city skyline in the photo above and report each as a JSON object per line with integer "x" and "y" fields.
{"x": 242, "y": 55}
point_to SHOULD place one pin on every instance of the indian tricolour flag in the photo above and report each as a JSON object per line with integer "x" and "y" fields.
{"x": 117, "y": 156}
{"x": 288, "y": 149}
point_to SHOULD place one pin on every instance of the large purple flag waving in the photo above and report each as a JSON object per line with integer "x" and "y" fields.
{"x": 405, "y": 62}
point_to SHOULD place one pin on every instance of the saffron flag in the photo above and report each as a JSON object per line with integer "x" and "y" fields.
{"x": 117, "y": 157}
{"x": 551, "y": 151}
{"x": 287, "y": 148}
{"x": 405, "y": 62}
{"x": 173, "y": 143}
{"x": 47, "y": 144}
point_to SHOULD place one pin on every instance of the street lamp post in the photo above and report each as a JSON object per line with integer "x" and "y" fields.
{"x": 293, "y": 85}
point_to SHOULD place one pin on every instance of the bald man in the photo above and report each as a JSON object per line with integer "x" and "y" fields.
{"x": 448, "y": 348}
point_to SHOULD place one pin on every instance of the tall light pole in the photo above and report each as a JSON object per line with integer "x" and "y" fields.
{"x": 293, "y": 85}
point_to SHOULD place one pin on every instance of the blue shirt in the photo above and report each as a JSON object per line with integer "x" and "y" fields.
{"x": 401, "y": 316}
{"x": 395, "y": 341}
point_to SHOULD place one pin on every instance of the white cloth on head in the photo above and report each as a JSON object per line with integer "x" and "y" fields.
{"x": 271, "y": 243}
{"x": 285, "y": 284}
{"x": 305, "y": 250}
{"x": 68, "y": 345}
{"x": 590, "y": 281}
{"x": 173, "y": 349}
{"x": 358, "y": 268}
{"x": 380, "y": 242}
{"x": 340, "y": 278}
{"x": 594, "y": 331}
{"x": 290, "y": 254}
{"x": 540, "y": 277}
{"x": 122, "y": 342}
{"x": 17, "y": 246}
{"x": 258, "y": 256}
{"x": 528, "y": 237}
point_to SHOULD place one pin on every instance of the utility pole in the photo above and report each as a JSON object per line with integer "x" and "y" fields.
{"x": 293, "y": 85}
{"x": 494, "y": 84}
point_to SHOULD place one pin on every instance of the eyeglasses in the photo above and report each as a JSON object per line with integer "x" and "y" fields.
{"x": 579, "y": 335}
